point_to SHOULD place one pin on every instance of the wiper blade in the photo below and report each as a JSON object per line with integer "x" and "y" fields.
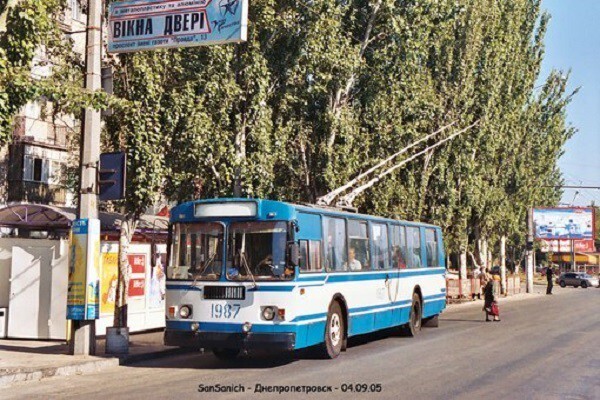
{"x": 209, "y": 262}
{"x": 245, "y": 262}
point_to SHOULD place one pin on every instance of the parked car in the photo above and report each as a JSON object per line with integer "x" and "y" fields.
{"x": 576, "y": 279}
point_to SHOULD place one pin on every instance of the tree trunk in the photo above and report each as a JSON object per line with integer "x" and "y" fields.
{"x": 240, "y": 160}
{"x": 126, "y": 231}
{"x": 503, "y": 262}
{"x": 463, "y": 264}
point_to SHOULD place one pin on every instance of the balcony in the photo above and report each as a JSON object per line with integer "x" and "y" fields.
{"x": 40, "y": 132}
{"x": 36, "y": 192}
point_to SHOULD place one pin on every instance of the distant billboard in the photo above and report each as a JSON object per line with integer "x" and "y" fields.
{"x": 564, "y": 223}
{"x": 153, "y": 24}
{"x": 564, "y": 245}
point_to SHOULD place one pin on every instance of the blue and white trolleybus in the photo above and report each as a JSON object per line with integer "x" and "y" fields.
{"x": 248, "y": 273}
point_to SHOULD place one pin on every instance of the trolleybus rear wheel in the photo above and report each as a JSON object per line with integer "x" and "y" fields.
{"x": 415, "y": 318}
{"x": 334, "y": 331}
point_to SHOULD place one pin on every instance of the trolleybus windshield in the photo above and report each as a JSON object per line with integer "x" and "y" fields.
{"x": 257, "y": 250}
{"x": 197, "y": 251}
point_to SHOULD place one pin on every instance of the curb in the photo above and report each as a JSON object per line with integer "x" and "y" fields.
{"x": 86, "y": 366}
{"x": 75, "y": 369}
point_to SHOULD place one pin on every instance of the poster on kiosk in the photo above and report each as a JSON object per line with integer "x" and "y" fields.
{"x": 84, "y": 262}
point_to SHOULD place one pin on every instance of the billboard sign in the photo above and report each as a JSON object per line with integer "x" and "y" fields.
{"x": 154, "y": 24}
{"x": 84, "y": 261}
{"x": 564, "y": 246}
{"x": 137, "y": 271}
{"x": 564, "y": 223}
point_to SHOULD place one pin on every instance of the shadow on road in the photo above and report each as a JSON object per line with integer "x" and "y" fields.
{"x": 255, "y": 359}
{"x": 463, "y": 320}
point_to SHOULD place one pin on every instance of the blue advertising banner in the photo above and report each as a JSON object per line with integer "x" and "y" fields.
{"x": 154, "y": 24}
{"x": 564, "y": 223}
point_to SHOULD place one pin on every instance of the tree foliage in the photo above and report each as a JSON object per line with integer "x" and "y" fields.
{"x": 323, "y": 90}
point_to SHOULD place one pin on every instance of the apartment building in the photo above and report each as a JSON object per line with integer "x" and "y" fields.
{"x": 34, "y": 167}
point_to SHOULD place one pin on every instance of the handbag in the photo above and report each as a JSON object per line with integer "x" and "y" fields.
{"x": 494, "y": 309}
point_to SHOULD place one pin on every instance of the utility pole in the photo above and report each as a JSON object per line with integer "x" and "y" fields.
{"x": 529, "y": 252}
{"x": 83, "y": 332}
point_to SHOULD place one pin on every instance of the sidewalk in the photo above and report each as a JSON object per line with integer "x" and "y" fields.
{"x": 539, "y": 290}
{"x": 32, "y": 360}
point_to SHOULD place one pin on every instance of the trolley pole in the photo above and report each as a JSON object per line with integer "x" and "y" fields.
{"x": 529, "y": 252}
{"x": 83, "y": 332}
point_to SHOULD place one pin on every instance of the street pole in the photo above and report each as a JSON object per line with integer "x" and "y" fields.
{"x": 83, "y": 332}
{"x": 529, "y": 252}
{"x": 573, "y": 263}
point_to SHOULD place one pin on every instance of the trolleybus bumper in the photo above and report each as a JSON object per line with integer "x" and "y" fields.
{"x": 245, "y": 341}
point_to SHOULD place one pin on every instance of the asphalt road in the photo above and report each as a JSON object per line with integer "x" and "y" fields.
{"x": 546, "y": 347}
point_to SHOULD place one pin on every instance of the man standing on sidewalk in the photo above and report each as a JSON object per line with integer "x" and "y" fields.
{"x": 550, "y": 277}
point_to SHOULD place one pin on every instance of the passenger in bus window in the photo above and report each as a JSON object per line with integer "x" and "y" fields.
{"x": 399, "y": 259}
{"x": 353, "y": 263}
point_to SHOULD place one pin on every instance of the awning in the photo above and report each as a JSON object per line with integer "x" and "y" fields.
{"x": 45, "y": 217}
{"x": 35, "y": 216}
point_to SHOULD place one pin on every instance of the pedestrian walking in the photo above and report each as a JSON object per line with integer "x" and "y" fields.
{"x": 483, "y": 279}
{"x": 491, "y": 295}
{"x": 550, "y": 278}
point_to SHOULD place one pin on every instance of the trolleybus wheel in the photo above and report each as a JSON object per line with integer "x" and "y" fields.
{"x": 334, "y": 331}
{"x": 226, "y": 354}
{"x": 414, "y": 320}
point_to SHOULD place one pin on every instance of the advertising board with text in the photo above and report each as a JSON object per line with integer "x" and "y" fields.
{"x": 564, "y": 246}
{"x": 564, "y": 223}
{"x": 84, "y": 262}
{"x": 137, "y": 278}
{"x": 153, "y": 24}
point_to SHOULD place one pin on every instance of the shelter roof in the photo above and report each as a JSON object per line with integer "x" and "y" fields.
{"x": 45, "y": 217}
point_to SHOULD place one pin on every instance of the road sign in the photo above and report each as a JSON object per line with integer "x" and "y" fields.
{"x": 111, "y": 176}
{"x": 153, "y": 24}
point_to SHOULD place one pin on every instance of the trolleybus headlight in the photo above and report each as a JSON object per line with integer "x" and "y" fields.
{"x": 185, "y": 311}
{"x": 268, "y": 313}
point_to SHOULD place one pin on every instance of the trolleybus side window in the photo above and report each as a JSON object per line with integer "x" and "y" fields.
{"x": 381, "y": 251}
{"x": 431, "y": 247}
{"x": 413, "y": 238}
{"x": 334, "y": 232}
{"x": 310, "y": 255}
{"x": 398, "y": 247}
{"x": 198, "y": 251}
{"x": 358, "y": 242}
{"x": 303, "y": 264}
{"x": 314, "y": 255}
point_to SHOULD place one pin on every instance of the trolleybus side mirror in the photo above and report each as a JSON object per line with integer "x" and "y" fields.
{"x": 294, "y": 253}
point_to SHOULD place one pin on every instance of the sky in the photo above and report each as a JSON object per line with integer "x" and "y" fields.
{"x": 573, "y": 43}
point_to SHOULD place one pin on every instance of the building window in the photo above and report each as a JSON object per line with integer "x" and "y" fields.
{"x": 75, "y": 10}
{"x": 36, "y": 169}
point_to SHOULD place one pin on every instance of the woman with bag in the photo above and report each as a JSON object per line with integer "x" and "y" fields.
{"x": 491, "y": 295}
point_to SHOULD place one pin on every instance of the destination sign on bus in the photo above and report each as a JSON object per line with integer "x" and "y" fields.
{"x": 230, "y": 209}
{"x": 152, "y": 24}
